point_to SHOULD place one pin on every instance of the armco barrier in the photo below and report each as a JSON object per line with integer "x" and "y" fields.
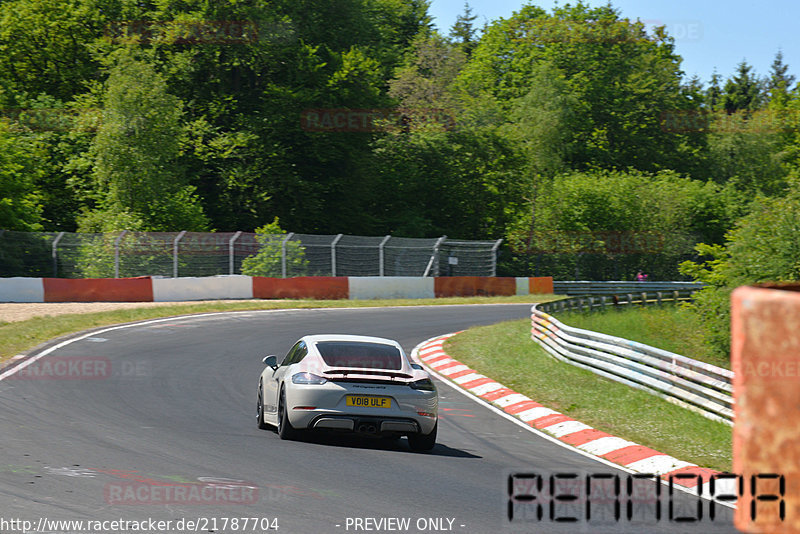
{"x": 98, "y": 289}
{"x": 308, "y": 287}
{"x": 146, "y": 289}
{"x": 698, "y": 386}
{"x": 583, "y": 287}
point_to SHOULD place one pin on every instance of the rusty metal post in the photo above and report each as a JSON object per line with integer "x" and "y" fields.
{"x": 765, "y": 357}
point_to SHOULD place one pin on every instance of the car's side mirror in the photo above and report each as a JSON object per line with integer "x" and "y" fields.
{"x": 417, "y": 366}
{"x": 271, "y": 360}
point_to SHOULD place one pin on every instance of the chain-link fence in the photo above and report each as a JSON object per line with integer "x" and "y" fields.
{"x": 173, "y": 254}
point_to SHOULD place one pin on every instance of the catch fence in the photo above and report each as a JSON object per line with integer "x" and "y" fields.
{"x": 174, "y": 254}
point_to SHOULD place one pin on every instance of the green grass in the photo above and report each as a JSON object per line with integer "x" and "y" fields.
{"x": 506, "y": 353}
{"x": 671, "y": 328}
{"x": 20, "y": 336}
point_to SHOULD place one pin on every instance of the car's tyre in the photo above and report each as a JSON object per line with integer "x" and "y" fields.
{"x": 285, "y": 428}
{"x": 260, "y": 410}
{"x": 423, "y": 442}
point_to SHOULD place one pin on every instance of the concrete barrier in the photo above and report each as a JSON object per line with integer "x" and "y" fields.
{"x": 145, "y": 289}
{"x": 98, "y": 289}
{"x": 303, "y": 287}
{"x": 205, "y": 288}
{"x": 470, "y": 286}
{"x": 394, "y": 287}
{"x": 19, "y": 289}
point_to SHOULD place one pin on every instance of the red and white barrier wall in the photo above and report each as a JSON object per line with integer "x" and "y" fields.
{"x": 147, "y": 289}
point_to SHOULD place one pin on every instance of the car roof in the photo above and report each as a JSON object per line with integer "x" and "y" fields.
{"x": 316, "y": 338}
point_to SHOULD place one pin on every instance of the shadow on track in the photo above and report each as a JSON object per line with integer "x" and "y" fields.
{"x": 333, "y": 439}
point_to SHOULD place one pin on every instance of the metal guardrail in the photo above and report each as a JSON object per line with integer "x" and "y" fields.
{"x": 582, "y": 287}
{"x": 698, "y": 386}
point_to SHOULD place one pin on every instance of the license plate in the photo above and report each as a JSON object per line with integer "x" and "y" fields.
{"x": 367, "y": 401}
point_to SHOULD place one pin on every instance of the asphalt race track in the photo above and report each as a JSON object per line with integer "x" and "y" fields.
{"x": 157, "y": 421}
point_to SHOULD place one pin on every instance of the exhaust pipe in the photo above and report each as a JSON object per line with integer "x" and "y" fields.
{"x": 367, "y": 428}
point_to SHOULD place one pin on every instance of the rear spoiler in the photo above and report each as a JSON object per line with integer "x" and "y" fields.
{"x": 345, "y": 372}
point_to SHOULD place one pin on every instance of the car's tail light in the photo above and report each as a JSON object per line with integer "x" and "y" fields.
{"x": 426, "y": 384}
{"x": 308, "y": 378}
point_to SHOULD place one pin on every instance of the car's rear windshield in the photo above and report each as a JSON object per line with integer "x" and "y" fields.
{"x": 360, "y": 354}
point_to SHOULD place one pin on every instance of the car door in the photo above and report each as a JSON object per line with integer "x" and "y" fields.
{"x": 273, "y": 380}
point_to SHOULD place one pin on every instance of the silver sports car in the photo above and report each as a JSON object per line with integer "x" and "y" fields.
{"x": 349, "y": 383}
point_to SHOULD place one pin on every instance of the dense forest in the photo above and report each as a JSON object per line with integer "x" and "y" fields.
{"x": 573, "y": 134}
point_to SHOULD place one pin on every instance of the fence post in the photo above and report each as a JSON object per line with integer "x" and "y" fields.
{"x": 230, "y": 248}
{"x": 55, "y": 253}
{"x": 283, "y": 253}
{"x": 333, "y": 254}
{"x": 116, "y": 252}
{"x": 494, "y": 256}
{"x": 380, "y": 255}
{"x": 434, "y": 256}
{"x": 175, "y": 253}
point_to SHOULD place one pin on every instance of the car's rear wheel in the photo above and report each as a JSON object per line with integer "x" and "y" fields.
{"x": 423, "y": 442}
{"x": 285, "y": 428}
{"x": 260, "y": 410}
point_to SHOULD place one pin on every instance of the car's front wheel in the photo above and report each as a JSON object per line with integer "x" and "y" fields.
{"x": 260, "y": 409}
{"x": 285, "y": 428}
{"x": 423, "y": 442}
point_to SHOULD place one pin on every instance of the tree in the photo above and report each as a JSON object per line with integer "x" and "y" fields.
{"x": 780, "y": 81}
{"x": 762, "y": 247}
{"x": 743, "y": 91}
{"x": 622, "y": 78}
{"x": 20, "y": 204}
{"x": 463, "y": 32}
{"x": 714, "y": 92}
{"x": 47, "y": 45}
{"x": 136, "y": 152}
{"x": 268, "y": 261}
{"x": 609, "y": 224}
{"x": 425, "y": 81}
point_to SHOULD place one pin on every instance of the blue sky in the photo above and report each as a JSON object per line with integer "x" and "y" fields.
{"x": 708, "y": 33}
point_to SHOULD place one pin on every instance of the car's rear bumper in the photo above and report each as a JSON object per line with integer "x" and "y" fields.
{"x": 365, "y": 425}
{"x": 325, "y": 407}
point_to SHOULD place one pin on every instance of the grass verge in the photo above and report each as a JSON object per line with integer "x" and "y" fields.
{"x": 506, "y": 353}
{"x": 671, "y": 328}
{"x": 20, "y": 336}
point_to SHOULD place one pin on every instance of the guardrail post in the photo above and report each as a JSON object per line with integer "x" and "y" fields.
{"x": 175, "y": 253}
{"x": 644, "y": 298}
{"x": 116, "y": 252}
{"x": 283, "y": 253}
{"x": 55, "y": 253}
{"x": 658, "y": 297}
{"x": 380, "y": 255}
{"x": 333, "y": 254}
{"x": 675, "y": 296}
{"x": 230, "y": 249}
